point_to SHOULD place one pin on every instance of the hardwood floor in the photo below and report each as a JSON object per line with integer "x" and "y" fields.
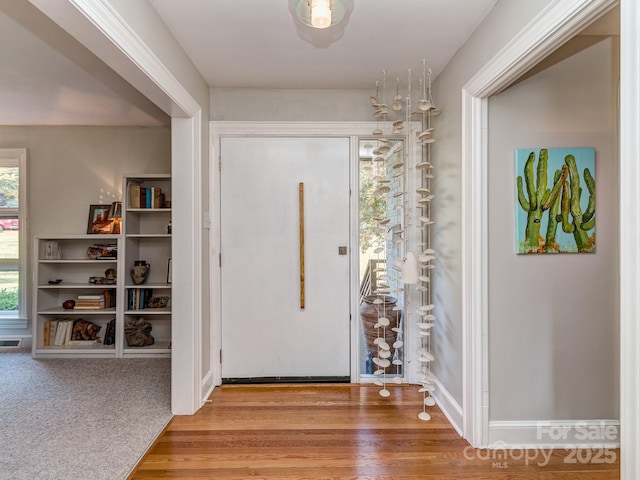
{"x": 339, "y": 432}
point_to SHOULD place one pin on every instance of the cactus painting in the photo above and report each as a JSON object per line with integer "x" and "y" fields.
{"x": 555, "y": 200}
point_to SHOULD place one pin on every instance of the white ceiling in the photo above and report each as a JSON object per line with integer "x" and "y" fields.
{"x": 49, "y": 79}
{"x": 259, "y": 43}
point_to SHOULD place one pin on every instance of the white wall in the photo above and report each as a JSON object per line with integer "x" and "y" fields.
{"x": 506, "y": 19}
{"x": 554, "y": 319}
{"x": 254, "y": 104}
{"x": 73, "y": 167}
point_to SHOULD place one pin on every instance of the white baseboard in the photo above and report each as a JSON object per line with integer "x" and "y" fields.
{"x": 206, "y": 387}
{"x": 451, "y": 409}
{"x": 554, "y": 434}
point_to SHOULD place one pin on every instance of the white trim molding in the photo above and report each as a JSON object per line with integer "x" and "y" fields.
{"x": 629, "y": 235}
{"x": 558, "y": 22}
{"x": 292, "y": 129}
{"x": 451, "y": 409}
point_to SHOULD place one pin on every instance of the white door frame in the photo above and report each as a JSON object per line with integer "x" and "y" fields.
{"x": 629, "y": 234}
{"x": 352, "y": 130}
{"x": 556, "y": 24}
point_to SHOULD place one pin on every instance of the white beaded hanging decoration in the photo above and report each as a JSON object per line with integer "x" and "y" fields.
{"x": 422, "y": 169}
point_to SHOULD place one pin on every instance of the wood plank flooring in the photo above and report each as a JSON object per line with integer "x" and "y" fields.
{"x": 340, "y": 432}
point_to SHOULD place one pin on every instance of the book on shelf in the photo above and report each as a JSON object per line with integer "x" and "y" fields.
{"x": 61, "y": 332}
{"x": 151, "y": 197}
{"x": 57, "y": 339}
{"x": 145, "y": 197}
{"x": 134, "y": 196}
{"x": 46, "y": 331}
{"x": 157, "y": 198}
{"x": 52, "y": 332}
{"x": 67, "y": 331}
{"x": 51, "y": 250}
{"x": 90, "y": 302}
{"x": 50, "y": 329}
{"x": 109, "y": 298}
{"x": 110, "y": 333}
{"x": 107, "y": 333}
{"x": 137, "y": 298}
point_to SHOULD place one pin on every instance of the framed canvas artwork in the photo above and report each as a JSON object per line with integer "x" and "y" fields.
{"x": 555, "y": 200}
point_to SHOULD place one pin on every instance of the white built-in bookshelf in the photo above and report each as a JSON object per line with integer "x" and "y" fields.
{"x": 64, "y": 270}
{"x": 147, "y": 237}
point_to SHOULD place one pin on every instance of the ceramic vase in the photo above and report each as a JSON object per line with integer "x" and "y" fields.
{"x": 140, "y": 271}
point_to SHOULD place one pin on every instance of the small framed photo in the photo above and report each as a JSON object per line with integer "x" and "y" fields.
{"x": 99, "y": 221}
{"x": 169, "y": 271}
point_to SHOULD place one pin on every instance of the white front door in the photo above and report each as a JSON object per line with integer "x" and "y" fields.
{"x": 265, "y": 331}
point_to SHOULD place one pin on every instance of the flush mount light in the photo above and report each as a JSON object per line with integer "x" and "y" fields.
{"x": 321, "y": 13}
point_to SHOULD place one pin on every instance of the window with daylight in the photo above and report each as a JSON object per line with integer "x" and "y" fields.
{"x": 13, "y": 238}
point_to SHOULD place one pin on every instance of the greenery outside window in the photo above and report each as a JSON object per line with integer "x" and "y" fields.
{"x": 13, "y": 239}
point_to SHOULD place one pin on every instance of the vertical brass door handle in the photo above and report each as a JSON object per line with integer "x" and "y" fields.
{"x": 301, "y": 220}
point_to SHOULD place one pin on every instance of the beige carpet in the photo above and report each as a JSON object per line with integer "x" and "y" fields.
{"x": 79, "y": 419}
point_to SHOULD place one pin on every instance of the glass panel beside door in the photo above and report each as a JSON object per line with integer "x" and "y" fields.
{"x": 382, "y": 248}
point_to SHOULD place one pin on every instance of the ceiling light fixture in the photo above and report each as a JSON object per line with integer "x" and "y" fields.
{"x": 321, "y": 13}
